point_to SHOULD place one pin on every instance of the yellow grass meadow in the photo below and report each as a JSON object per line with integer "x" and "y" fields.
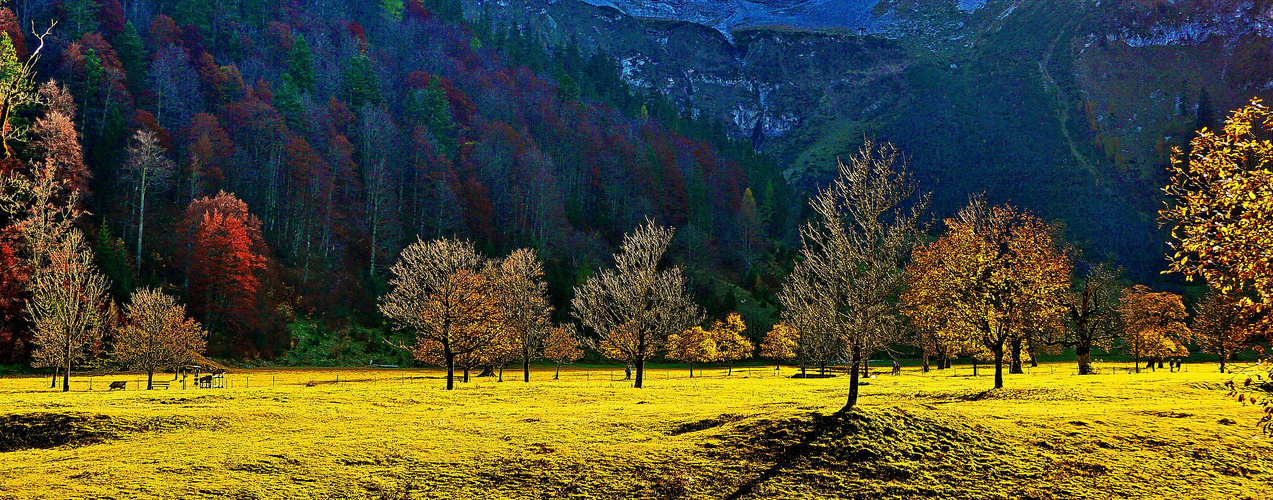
{"x": 388, "y": 433}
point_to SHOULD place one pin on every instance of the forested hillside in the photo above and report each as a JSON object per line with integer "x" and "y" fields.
{"x": 267, "y": 160}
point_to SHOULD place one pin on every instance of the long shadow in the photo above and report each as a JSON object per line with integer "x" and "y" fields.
{"x": 821, "y": 424}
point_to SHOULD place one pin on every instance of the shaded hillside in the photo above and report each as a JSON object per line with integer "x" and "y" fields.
{"x": 1068, "y": 108}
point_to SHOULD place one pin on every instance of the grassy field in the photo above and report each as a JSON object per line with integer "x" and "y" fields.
{"x": 756, "y": 434}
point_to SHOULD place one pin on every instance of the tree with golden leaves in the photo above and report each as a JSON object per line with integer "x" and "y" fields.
{"x": 635, "y": 306}
{"x": 443, "y": 292}
{"x": 779, "y": 344}
{"x": 68, "y": 305}
{"x": 1153, "y": 324}
{"x": 157, "y": 334}
{"x": 1220, "y": 326}
{"x": 976, "y": 284}
{"x": 1221, "y": 214}
{"x": 563, "y": 346}
{"x": 695, "y": 345}
{"x": 731, "y": 344}
{"x": 524, "y": 298}
{"x": 854, "y": 257}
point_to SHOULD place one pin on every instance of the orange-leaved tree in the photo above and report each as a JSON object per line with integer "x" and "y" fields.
{"x": 1222, "y": 210}
{"x": 695, "y": 345}
{"x": 780, "y": 344}
{"x": 156, "y": 334}
{"x": 977, "y": 284}
{"x": 226, "y": 254}
{"x": 1153, "y": 324}
{"x": 563, "y": 345}
{"x": 1220, "y": 326}
{"x": 444, "y": 292}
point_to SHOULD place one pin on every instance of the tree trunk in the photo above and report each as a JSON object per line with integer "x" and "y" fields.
{"x": 1015, "y": 366}
{"x": 866, "y": 368}
{"x": 54, "y": 384}
{"x": 1136, "y": 362}
{"x": 557, "y": 375}
{"x": 66, "y": 378}
{"x": 501, "y": 372}
{"x": 974, "y": 366}
{"x": 141, "y": 224}
{"x": 450, "y": 372}
{"x": 1084, "y": 353}
{"x": 150, "y": 380}
{"x": 1160, "y": 362}
{"x": 691, "y": 369}
{"x": 640, "y": 372}
{"x": 1222, "y": 363}
{"x": 526, "y": 369}
{"x": 853, "y": 381}
{"x": 999, "y": 368}
{"x": 731, "y": 370}
{"x": 925, "y": 357}
{"x": 466, "y": 374}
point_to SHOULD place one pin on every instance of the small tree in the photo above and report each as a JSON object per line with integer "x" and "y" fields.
{"x": 524, "y": 298}
{"x": 563, "y": 346}
{"x": 1154, "y": 324}
{"x": 1219, "y": 326}
{"x": 157, "y": 334}
{"x": 68, "y": 306}
{"x": 442, "y": 291}
{"x": 1092, "y": 307}
{"x": 634, "y": 306}
{"x": 731, "y": 344}
{"x": 693, "y": 345}
{"x": 779, "y": 344}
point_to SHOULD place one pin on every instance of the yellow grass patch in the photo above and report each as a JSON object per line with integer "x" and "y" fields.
{"x": 397, "y": 434}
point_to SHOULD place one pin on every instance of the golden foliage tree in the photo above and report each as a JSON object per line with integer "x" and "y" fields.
{"x": 695, "y": 345}
{"x": 524, "y": 298}
{"x": 157, "y": 334}
{"x": 562, "y": 346}
{"x": 1153, "y": 324}
{"x": 976, "y": 284}
{"x": 634, "y": 306}
{"x": 731, "y": 344}
{"x": 443, "y": 292}
{"x": 68, "y": 306}
{"x": 779, "y": 343}
{"x": 854, "y": 256}
{"x": 1219, "y": 326}
{"x": 1222, "y": 209}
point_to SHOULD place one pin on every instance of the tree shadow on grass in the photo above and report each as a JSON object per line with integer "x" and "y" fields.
{"x": 792, "y": 454}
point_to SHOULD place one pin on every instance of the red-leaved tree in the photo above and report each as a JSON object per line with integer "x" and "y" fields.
{"x": 226, "y": 256}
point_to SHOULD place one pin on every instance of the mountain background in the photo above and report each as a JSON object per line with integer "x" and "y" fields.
{"x": 351, "y": 128}
{"x": 1068, "y": 108}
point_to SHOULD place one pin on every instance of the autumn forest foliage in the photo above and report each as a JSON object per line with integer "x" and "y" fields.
{"x": 268, "y": 161}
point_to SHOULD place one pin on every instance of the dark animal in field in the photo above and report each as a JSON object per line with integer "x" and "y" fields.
{"x": 118, "y": 384}
{"x": 204, "y": 381}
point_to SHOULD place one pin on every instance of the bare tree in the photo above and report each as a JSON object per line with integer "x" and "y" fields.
{"x": 1092, "y": 304}
{"x": 17, "y": 86}
{"x": 68, "y": 306}
{"x": 524, "y": 298}
{"x": 563, "y": 345}
{"x": 634, "y": 306}
{"x": 855, "y": 255}
{"x": 442, "y": 290}
{"x": 147, "y": 166}
{"x": 157, "y": 334}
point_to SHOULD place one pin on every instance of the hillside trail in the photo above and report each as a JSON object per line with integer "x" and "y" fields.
{"x": 1063, "y": 103}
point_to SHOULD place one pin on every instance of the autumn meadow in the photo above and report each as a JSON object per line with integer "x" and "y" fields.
{"x": 387, "y": 433}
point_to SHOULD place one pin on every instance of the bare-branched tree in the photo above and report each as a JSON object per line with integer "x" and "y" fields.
{"x": 634, "y": 306}
{"x": 855, "y": 255}
{"x": 68, "y": 306}
{"x": 147, "y": 167}
{"x": 157, "y": 334}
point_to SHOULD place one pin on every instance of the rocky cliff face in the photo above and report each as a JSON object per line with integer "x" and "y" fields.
{"x": 1068, "y": 107}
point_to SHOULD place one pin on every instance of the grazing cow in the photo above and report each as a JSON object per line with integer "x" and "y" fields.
{"x": 118, "y": 384}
